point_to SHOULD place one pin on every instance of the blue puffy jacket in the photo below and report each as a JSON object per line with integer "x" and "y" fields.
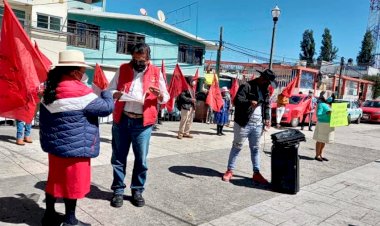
{"x": 69, "y": 126}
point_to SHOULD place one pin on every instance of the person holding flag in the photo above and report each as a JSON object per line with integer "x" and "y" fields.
{"x": 69, "y": 133}
{"x": 133, "y": 120}
{"x": 186, "y": 104}
{"x": 221, "y": 117}
{"x": 309, "y": 110}
{"x": 252, "y": 114}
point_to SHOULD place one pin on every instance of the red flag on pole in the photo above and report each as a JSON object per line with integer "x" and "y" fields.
{"x": 305, "y": 107}
{"x": 234, "y": 89}
{"x": 45, "y": 60}
{"x": 196, "y": 76}
{"x": 287, "y": 92}
{"x": 100, "y": 79}
{"x": 21, "y": 70}
{"x": 177, "y": 85}
{"x": 214, "y": 97}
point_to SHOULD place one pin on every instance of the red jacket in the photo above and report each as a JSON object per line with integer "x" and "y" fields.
{"x": 150, "y": 78}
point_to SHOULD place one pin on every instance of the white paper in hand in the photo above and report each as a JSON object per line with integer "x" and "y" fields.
{"x": 129, "y": 97}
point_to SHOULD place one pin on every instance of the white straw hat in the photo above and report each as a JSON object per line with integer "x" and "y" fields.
{"x": 224, "y": 89}
{"x": 73, "y": 58}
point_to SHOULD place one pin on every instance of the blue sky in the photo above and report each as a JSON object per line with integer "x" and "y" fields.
{"x": 248, "y": 23}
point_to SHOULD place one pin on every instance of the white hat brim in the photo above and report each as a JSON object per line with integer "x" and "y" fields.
{"x": 71, "y": 65}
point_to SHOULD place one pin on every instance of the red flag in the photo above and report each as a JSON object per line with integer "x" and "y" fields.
{"x": 45, "y": 60}
{"x": 287, "y": 92}
{"x": 234, "y": 89}
{"x": 21, "y": 70}
{"x": 177, "y": 85}
{"x": 214, "y": 97}
{"x": 100, "y": 79}
{"x": 196, "y": 76}
{"x": 305, "y": 107}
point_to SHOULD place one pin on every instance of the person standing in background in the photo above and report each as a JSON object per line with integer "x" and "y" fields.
{"x": 282, "y": 101}
{"x": 221, "y": 117}
{"x": 186, "y": 102}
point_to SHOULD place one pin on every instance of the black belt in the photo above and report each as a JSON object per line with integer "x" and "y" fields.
{"x": 133, "y": 115}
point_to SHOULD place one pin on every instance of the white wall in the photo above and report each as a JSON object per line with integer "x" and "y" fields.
{"x": 50, "y": 42}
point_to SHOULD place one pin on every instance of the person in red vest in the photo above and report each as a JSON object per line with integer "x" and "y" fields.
{"x": 133, "y": 118}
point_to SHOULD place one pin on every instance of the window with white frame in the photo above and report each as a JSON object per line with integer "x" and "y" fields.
{"x": 190, "y": 54}
{"x": 19, "y": 14}
{"x": 48, "y": 22}
{"x": 126, "y": 40}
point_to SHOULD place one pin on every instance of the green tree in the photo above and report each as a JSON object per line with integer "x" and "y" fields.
{"x": 307, "y": 47}
{"x": 365, "y": 56}
{"x": 376, "y": 86}
{"x": 328, "y": 52}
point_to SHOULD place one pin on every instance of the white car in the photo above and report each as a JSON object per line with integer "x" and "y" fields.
{"x": 354, "y": 112}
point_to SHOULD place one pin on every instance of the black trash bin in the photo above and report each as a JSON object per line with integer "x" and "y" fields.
{"x": 285, "y": 161}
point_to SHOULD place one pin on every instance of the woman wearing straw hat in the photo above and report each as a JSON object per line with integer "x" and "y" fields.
{"x": 69, "y": 133}
{"x": 221, "y": 117}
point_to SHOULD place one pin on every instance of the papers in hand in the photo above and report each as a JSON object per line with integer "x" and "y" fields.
{"x": 132, "y": 98}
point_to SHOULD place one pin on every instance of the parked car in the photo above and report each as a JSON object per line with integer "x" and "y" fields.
{"x": 371, "y": 111}
{"x": 6, "y": 121}
{"x": 354, "y": 112}
{"x": 293, "y": 114}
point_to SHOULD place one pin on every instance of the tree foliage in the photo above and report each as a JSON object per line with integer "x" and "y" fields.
{"x": 307, "y": 47}
{"x": 365, "y": 56}
{"x": 328, "y": 51}
{"x": 376, "y": 86}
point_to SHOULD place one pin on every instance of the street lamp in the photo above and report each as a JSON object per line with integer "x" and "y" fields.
{"x": 275, "y": 14}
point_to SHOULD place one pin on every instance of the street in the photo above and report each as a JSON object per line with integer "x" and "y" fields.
{"x": 184, "y": 185}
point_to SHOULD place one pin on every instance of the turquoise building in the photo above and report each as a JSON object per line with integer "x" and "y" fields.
{"x": 106, "y": 38}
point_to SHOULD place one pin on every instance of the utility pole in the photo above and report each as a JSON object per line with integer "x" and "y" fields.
{"x": 340, "y": 76}
{"x": 219, "y": 54}
{"x": 104, "y": 43}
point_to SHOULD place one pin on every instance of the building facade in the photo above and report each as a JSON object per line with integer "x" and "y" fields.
{"x": 107, "y": 38}
{"x": 43, "y": 20}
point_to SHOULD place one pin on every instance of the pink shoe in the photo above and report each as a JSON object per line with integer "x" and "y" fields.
{"x": 227, "y": 176}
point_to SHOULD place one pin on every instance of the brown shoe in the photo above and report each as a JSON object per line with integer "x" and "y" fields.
{"x": 188, "y": 136}
{"x": 20, "y": 142}
{"x": 180, "y": 137}
{"x": 28, "y": 139}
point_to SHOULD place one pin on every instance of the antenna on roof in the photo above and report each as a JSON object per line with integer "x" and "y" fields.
{"x": 161, "y": 16}
{"x": 143, "y": 12}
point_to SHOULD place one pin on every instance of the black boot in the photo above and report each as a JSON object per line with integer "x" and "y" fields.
{"x": 221, "y": 130}
{"x": 51, "y": 217}
{"x": 218, "y": 130}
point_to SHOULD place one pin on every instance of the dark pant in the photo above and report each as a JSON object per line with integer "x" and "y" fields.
{"x": 129, "y": 131}
{"x": 310, "y": 115}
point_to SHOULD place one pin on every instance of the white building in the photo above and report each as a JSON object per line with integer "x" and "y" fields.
{"x": 44, "y": 21}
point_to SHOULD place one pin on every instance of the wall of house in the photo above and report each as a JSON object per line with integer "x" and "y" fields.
{"x": 163, "y": 43}
{"x": 50, "y": 42}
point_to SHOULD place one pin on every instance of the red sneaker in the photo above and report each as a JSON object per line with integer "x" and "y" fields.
{"x": 258, "y": 178}
{"x": 227, "y": 176}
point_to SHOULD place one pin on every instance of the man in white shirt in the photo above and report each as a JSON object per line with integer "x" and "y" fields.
{"x": 137, "y": 87}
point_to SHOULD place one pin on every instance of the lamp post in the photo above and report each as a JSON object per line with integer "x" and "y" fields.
{"x": 275, "y": 14}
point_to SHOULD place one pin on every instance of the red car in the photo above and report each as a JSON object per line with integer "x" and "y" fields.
{"x": 293, "y": 114}
{"x": 371, "y": 111}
